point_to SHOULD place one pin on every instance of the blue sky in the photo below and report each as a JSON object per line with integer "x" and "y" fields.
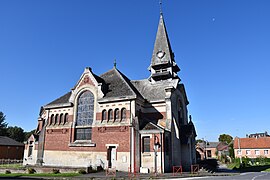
{"x": 221, "y": 46}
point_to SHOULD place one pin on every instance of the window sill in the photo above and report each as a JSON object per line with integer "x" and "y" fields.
{"x": 82, "y": 144}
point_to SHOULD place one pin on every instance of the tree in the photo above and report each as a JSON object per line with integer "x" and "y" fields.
{"x": 199, "y": 141}
{"x": 28, "y": 134}
{"x": 225, "y": 138}
{"x": 16, "y": 133}
{"x": 228, "y": 139}
{"x": 3, "y": 124}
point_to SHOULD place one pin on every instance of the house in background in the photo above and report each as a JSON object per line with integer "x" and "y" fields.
{"x": 114, "y": 122}
{"x": 10, "y": 149}
{"x": 209, "y": 150}
{"x": 258, "y": 135}
{"x": 252, "y": 147}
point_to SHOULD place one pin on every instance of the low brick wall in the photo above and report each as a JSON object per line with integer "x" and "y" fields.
{"x": 43, "y": 169}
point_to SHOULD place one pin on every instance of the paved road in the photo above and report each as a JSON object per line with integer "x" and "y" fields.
{"x": 243, "y": 176}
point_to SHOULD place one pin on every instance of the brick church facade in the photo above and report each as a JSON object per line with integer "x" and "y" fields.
{"x": 112, "y": 121}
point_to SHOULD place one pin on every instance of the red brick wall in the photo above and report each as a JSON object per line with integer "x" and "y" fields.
{"x": 59, "y": 139}
{"x": 11, "y": 152}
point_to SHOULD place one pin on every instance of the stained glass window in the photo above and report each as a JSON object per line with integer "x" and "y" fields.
{"x": 123, "y": 114}
{"x": 104, "y": 115}
{"x": 116, "y": 114}
{"x": 85, "y": 109}
{"x": 61, "y": 119}
{"x": 110, "y": 114}
{"x": 56, "y": 119}
{"x": 52, "y": 119}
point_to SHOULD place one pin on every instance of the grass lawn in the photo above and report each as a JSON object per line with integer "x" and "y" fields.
{"x": 11, "y": 166}
{"x": 40, "y": 175}
{"x": 267, "y": 170}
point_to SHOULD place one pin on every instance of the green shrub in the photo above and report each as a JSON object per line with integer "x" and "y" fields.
{"x": 31, "y": 170}
{"x": 55, "y": 171}
{"x": 7, "y": 172}
{"x": 82, "y": 171}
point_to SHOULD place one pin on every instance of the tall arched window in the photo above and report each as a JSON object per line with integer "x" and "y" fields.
{"x": 180, "y": 113}
{"x": 104, "y": 116}
{"x": 116, "y": 114}
{"x": 123, "y": 114}
{"x": 85, "y": 109}
{"x": 85, "y": 115}
{"x": 110, "y": 115}
{"x": 65, "y": 118}
{"x": 51, "y": 120}
{"x": 61, "y": 119}
{"x": 56, "y": 119}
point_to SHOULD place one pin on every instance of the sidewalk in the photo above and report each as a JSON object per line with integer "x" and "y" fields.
{"x": 125, "y": 175}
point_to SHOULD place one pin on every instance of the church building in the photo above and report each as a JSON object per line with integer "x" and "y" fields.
{"x": 111, "y": 121}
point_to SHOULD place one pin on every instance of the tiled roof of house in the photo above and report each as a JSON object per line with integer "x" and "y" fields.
{"x": 6, "y": 141}
{"x": 252, "y": 143}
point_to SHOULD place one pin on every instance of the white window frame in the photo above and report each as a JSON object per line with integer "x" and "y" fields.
{"x": 257, "y": 152}
{"x": 239, "y": 152}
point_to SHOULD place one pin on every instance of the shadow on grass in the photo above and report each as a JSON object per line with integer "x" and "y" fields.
{"x": 252, "y": 168}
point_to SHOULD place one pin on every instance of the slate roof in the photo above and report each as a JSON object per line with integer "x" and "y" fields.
{"x": 63, "y": 99}
{"x": 118, "y": 84}
{"x": 252, "y": 143}
{"x": 162, "y": 43}
{"x": 6, "y": 141}
{"x": 153, "y": 91}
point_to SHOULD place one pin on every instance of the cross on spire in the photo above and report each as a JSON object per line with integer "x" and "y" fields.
{"x": 160, "y": 6}
{"x": 114, "y": 63}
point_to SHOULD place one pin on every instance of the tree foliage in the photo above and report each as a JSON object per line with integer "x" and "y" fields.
{"x": 3, "y": 124}
{"x": 16, "y": 133}
{"x": 225, "y": 138}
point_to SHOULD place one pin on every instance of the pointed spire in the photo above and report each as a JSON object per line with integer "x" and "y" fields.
{"x": 163, "y": 65}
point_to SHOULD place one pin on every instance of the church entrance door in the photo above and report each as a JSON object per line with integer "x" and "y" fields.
{"x": 111, "y": 156}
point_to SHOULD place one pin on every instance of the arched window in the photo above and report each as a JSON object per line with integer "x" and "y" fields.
{"x": 104, "y": 115}
{"x": 56, "y": 120}
{"x": 180, "y": 113}
{"x": 61, "y": 118}
{"x": 52, "y": 119}
{"x": 123, "y": 114}
{"x": 85, "y": 109}
{"x": 85, "y": 115}
{"x": 65, "y": 118}
{"x": 110, "y": 115}
{"x": 116, "y": 115}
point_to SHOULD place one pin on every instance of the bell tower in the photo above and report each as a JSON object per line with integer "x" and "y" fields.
{"x": 163, "y": 65}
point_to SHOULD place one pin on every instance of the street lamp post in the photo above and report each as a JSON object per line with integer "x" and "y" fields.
{"x": 156, "y": 146}
{"x": 239, "y": 149}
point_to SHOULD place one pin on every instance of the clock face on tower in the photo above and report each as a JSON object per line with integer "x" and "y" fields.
{"x": 160, "y": 54}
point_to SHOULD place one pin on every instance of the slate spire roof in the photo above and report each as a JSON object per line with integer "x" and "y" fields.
{"x": 163, "y": 65}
